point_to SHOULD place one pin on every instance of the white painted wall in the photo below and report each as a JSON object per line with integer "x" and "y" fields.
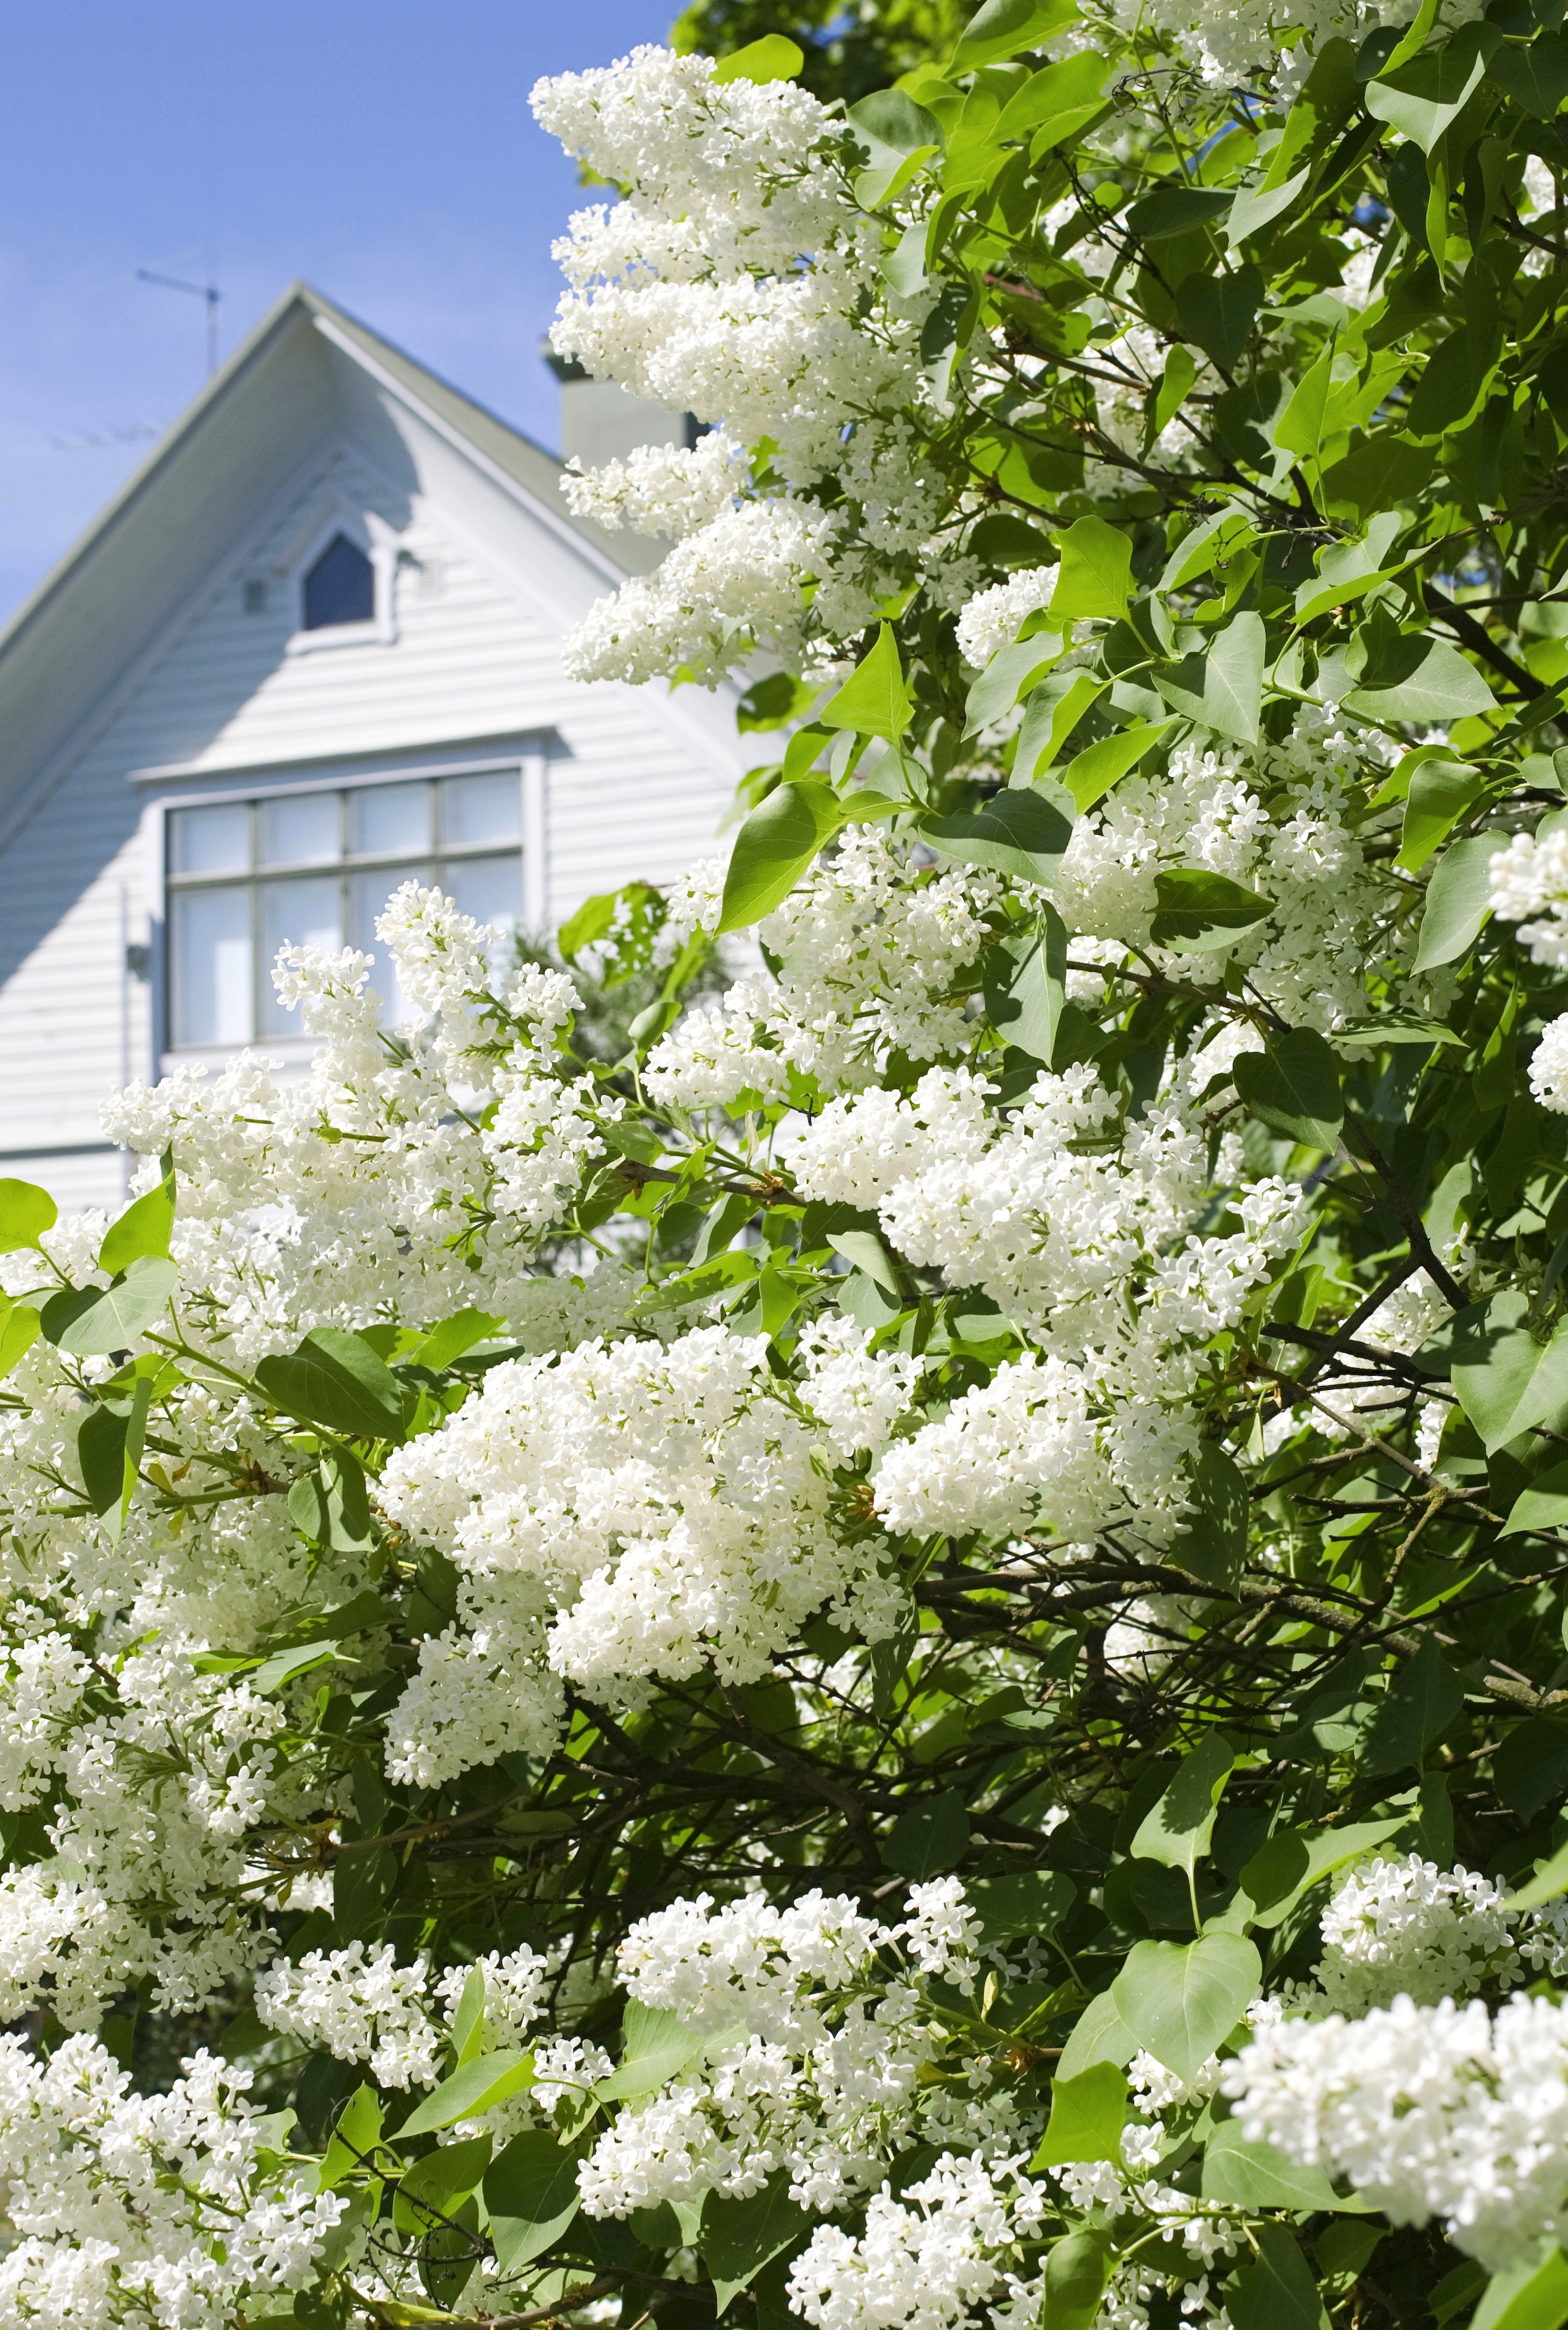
{"x": 635, "y": 785}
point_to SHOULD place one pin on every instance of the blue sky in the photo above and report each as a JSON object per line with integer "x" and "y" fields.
{"x": 384, "y": 152}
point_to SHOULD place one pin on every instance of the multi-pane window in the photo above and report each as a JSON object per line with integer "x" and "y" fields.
{"x": 246, "y": 878}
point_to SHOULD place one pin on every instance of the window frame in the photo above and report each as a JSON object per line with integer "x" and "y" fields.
{"x": 370, "y": 534}
{"x": 527, "y": 762}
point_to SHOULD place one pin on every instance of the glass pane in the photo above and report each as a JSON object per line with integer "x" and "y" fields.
{"x": 295, "y": 913}
{"x": 211, "y": 840}
{"x": 488, "y": 888}
{"x": 340, "y": 588}
{"x": 212, "y": 966}
{"x": 482, "y": 809}
{"x": 368, "y": 894}
{"x": 386, "y": 820}
{"x": 299, "y": 829}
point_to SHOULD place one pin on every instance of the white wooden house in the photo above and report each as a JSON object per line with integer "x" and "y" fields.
{"x": 313, "y": 647}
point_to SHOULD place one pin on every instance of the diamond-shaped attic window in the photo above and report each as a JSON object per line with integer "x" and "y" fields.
{"x": 340, "y": 588}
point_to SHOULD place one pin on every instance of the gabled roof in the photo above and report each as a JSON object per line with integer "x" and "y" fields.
{"x": 278, "y": 398}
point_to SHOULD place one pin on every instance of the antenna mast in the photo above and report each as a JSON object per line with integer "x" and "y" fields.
{"x": 207, "y": 291}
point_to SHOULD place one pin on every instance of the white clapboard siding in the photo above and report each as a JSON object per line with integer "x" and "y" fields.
{"x": 628, "y": 794}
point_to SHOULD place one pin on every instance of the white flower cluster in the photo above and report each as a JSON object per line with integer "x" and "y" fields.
{"x": 1057, "y": 1212}
{"x": 1528, "y": 878}
{"x": 1529, "y": 887}
{"x": 992, "y": 618}
{"x": 329, "y": 1202}
{"x": 1277, "y": 818}
{"x": 656, "y": 1507}
{"x": 1407, "y": 1928}
{"x": 870, "y": 946}
{"x": 1440, "y": 2111}
{"x": 737, "y": 280}
{"x": 928, "y": 2258}
{"x": 360, "y": 2005}
{"x": 1271, "y": 40}
{"x": 659, "y": 488}
{"x": 812, "y": 2059}
{"x": 144, "y": 2209}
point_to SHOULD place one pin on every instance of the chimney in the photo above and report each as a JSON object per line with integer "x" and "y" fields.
{"x": 601, "y": 422}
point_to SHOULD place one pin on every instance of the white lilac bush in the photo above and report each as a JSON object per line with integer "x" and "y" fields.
{"x": 890, "y": 1653}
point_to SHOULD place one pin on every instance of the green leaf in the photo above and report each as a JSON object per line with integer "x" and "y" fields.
{"x": 873, "y": 700}
{"x": 1077, "y": 2269}
{"x": 591, "y": 922}
{"x": 443, "y": 2179}
{"x": 1003, "y": 28}
{"x": 1508, "y": 1379}
{"x": 1550, "y": 1880}
{"x": 1030, "y": 1903}
{"x": 1424, "y": 97}
{"x": 899, "y": 136}
{"x": 1257, "y": 208}
{"x": 1348, "y": 570}
{"x": 774, "y": 848}
{"x": 1299, "y": 428}
{"x": 453, "y": 1337}
{"x": 1058, "y": 100}
{"x": 1089, "y": 774}
{"x": 1055, "y": 709}
{"x": 91, "y": 1321}
{"x": 1086, "y": 2117}
{"x": 1525, "y": 2297}
{"x": 739, "y": 2236}
{"x": 1423, "y": 681}
{"x": 1217, "y": 311}
{"x": 1177, "y": 1830}
{"x": 287, "y": 1666}
{"x": 27, "y": 1212}
{"x": 532, "y": 2196}
{"x": 1543, "y": 1505}
{"x": 1440, "y": 791}
{"x": 1458, "y": 900}
{"x": 1003, "y": 538}
{"x": 1274, "y": 2289}
{"x": 1291, "y": 1863}
{"x": 20, "y": 1327}
{"x": 1010, "y": 674}
{"x": 1422, "y": 1700}
{"x": 931, "y": 1837}
{"x": 1535, "y": 76}
{"x": 1096, "y": 576}
{"x": 656, "y": 2047}
{"x": 1216, "y": 1545}
{"x": 487, "y": 2080}
{"x": 1022, "y": 833}
{"x": 1099, "y": 2036}
{"x": 1198, "y": 912}
{"x": 1176, "y": 209}
{"x": 770, "y": 703}
{"x": 773, "y": 58}
{"x": 1221, "y": 689}
{"x": 333, "y": 1379}
{"x": 143, "y": 1228}
{"x": 1024, "y": 977}
{"x": 328, "y": 1505}
{"x": 1254, "y": 2176}
{"x": 1292, "y": 1087}
{"x": 469, "y": 2022}
{"x": 1181, "y": 2000}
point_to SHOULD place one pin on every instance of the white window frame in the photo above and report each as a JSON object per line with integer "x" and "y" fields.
{"x": 530, "y": 759}
{"x": 371, "y": 535}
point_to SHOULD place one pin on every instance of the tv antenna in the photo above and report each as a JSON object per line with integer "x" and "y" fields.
{"x": 207, "y": 291}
